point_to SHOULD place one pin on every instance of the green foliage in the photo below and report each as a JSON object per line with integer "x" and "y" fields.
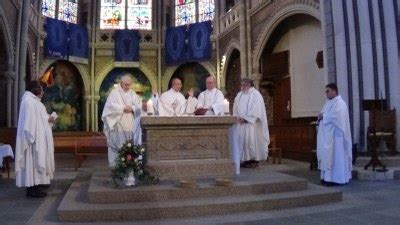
{"x": 131, "y": 157}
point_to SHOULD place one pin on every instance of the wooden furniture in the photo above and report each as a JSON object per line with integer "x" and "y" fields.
{"x": 6, "y": 156}
{"x": 273, "y": 151}
{"x": 382, "y": 127}
{"x": 81, "y": 144}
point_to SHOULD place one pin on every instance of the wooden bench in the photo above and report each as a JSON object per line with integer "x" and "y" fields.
{"x": 81, "y": 144}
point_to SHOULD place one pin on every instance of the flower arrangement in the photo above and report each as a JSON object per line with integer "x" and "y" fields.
{"x": 130, "y": 158}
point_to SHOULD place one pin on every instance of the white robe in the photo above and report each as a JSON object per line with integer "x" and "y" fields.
{"x": 334, "y": 145}
{"x": 34, "y": 151}
{"x": 120, "y": 127}
{"x": 173, "y": 103}
{"x": 213, "y": 101}
{"x": 254, "y": 135}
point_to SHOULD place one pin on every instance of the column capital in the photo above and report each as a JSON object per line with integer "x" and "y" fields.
{"x": 96, "y": 98}
{"x": 87, "y": 98}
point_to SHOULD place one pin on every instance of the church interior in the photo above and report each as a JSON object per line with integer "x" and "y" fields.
{"x": 290, "y": 48}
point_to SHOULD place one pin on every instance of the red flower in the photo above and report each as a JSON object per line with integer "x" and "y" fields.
{"x": 129, "y": 157}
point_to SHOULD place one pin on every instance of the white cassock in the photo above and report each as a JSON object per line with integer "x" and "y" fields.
{"x": 213, "y": 101}
{"x": 173, "y": 103}
{"x": 120, "y": 127}
{"x": 34, "y": 151}
{"x": 253, "y": 136}
{"x": 334, "y": 146}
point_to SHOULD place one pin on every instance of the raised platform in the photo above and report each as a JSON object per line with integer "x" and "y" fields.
{"x": 96, "y": 200}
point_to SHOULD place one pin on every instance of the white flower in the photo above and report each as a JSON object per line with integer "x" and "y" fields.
{"x": 129, "y": 145}
{"x": 142, "y": 150}
{"x": 122, "y": 159}
{"x": 140, "y": 157}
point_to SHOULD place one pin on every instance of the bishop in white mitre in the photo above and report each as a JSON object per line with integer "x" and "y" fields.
{"x": 172, "y": 102}
{"x": 121, "y": 118}
{"x": 252, "y": 125}
{"x": 211, "y": 99}
{"x": 334, "y": 145}
{"x": 34, "y": 151}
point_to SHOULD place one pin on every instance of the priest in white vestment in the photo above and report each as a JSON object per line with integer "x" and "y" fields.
{"x": 211, "y": 99}
{"x": 121, "y": 118}
{"x": 172, "y": 102}
{"x": 252, "y": 125}
{"x": 334, "y": 145}
{"x": 34, "y": 151}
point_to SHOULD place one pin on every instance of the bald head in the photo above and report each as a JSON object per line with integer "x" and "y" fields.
{"x": 126, "y": 82}
{"x": 210, "y": 83}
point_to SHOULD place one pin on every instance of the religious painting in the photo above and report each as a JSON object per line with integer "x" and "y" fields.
{"x": 206, "y": 10}
{"x": 65, "y": 97}
{"x": 49, "y": 8}
{"x": 68, "y": 10}
{"x": 140, "y": 84}
{"x": 193, "y": 75}
{"x": 112, "y": 14}
{"x": 139, "y": 14}
{"x": 185, "y": 12}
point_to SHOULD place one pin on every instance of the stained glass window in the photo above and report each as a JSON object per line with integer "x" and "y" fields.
{"x": 68, "y": 10}
{"x": 49, "y": 8}
{"x": 206, "y": 10}
{"x": 185, "y": 12}
{"x": 139, "y": 14}
{"x": 112, "y": 14}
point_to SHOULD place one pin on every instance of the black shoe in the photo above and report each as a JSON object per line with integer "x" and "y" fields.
{"x": 35, "y": 192}
{"x": 44, "y": 186}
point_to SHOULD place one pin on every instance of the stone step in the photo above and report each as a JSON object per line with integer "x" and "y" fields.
{"x": 388, "y": 161}
{"x": 101, "y": 190}
{"x": 76, "y": 208}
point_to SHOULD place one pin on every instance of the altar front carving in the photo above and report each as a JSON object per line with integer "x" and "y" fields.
{"x": 188, "y": 147}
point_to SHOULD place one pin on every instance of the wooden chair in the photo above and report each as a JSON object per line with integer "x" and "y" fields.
{"x": 382, "y": 126}
{"x": 273, "y": 151}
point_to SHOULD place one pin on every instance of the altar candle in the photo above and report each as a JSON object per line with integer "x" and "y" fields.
{"x": 226, "y": 106}
{"x": 150, "y": 109}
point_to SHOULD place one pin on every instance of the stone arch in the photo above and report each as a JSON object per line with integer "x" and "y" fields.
{"x": 83, "y": 71}
{"x": 171, "y": 70}
{"x": 311, "y": 9}
{"x": 232, "y": 46}
{"x": 110, "y": 66}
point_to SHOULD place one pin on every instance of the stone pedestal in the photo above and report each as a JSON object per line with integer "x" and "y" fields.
{"x": 188, "y": 147}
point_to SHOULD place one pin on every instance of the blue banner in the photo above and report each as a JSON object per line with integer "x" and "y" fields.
{"x": 78, "y": 41}
{"x": 56, "y": 43}
{"x": 199, "y": 44}
{"x": 175, "y": 46}
{"x": 126, "y": 45}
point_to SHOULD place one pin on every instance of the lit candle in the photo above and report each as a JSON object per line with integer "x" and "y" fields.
{"x": 226, "y": 106}
{"x": 150, "y": 109}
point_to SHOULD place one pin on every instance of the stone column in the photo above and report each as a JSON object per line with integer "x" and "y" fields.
{"x": 95, "y": 114}
{"x": 10, "y": 75}
{"x": 257, "y": 79}
{"x": 23, "y": 46}
{"x": 87, "y": 99}
{"x": 216, "y": 32}
{"x": 243, "y": 43}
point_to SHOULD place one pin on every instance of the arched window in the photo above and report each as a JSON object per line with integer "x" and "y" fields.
{"x": 66, "y": 10}
{"x": 130, "y": 14}
{"x": 191, "y": 11}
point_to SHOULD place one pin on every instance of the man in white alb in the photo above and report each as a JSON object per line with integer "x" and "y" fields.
{"x": 121, "y": 117}
{"x": 211, "y": 99}
{"x": 172, "y": 102}
{"x": 34, "y": 151}
{"x": 252, "y": 125}
{"x": 334, "y": 145}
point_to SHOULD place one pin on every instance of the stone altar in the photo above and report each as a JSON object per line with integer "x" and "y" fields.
{"x": 188, "y": 147}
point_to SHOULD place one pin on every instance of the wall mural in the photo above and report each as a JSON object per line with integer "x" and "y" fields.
{"x": 193, "y": 75}
{"x": 65, "y": 97}
{"x": 141, "y": 85}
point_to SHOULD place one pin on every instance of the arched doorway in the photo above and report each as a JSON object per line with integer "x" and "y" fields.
{"x": 141, "y": 85}
{"x": 65, "y": 97}
{"x": 232, "y": 81}
{"x": 193, "y": 75}
{"x": 292, "y": 84}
